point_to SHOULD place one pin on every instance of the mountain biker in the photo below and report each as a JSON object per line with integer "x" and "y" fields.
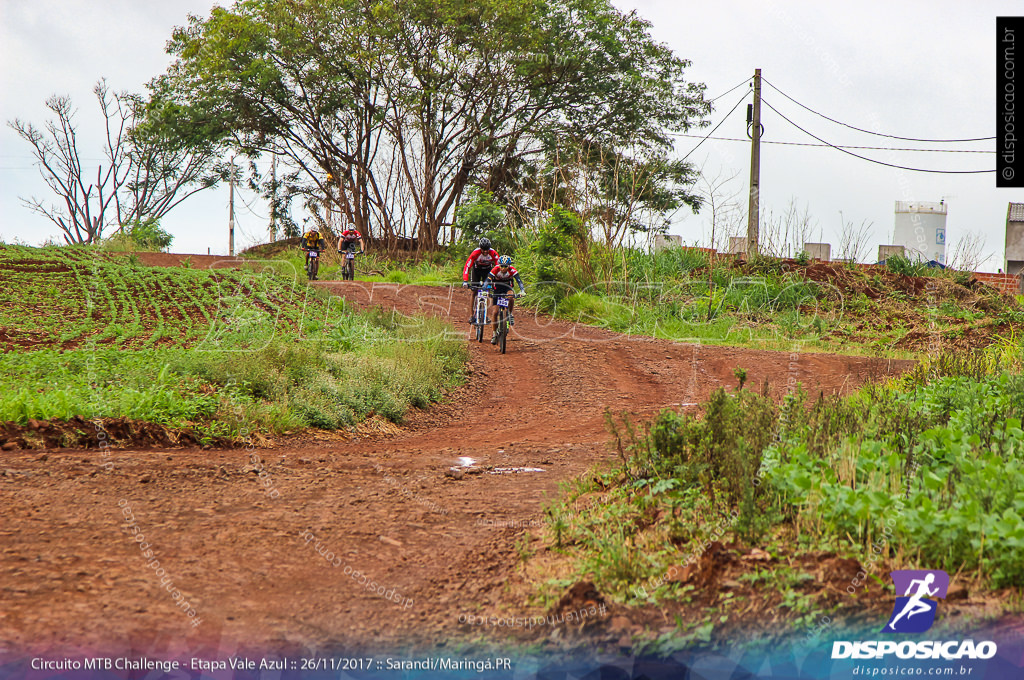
{"x": 312, "y": 240}
{"x": 499, "y": 280}
{"x": 478, "y": 265}
{"x": 348, "y": 237}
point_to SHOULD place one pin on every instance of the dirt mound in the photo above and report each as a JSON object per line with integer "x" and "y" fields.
{"x": 185, "y": 260}
{"x": 268, "y": 250}
{"x": 80, "y": 433}
{"x": 582, "y": 596}
{"x": 879, "y": 283}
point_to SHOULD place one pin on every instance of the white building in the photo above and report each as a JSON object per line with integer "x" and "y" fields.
{"x": 921, "y": 229}
{"x": 1014, "y": 257}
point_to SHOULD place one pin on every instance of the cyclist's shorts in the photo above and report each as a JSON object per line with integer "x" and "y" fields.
{"x": 478, "y": 274}
{"x": 501, "y": 289}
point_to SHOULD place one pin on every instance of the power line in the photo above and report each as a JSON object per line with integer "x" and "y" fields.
{"x": 248, "y": 206}
{"x": 871, "y": 160}
{"x": 839, "y": 146}
{"x": 717, "y": 126}
{"x": 905, "y": 139}
{"x": 728, "y": 91}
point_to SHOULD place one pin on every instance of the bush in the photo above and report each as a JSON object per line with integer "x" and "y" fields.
{"x": 720, "y": 453}
{"x": 480, "y": 216}
{"x": 900, "y": 264}
{"x": 935, "y": 471}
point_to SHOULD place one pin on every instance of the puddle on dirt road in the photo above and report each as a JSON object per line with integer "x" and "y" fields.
{"x": 467, "y": 464}
{"x": 513, "y": 470}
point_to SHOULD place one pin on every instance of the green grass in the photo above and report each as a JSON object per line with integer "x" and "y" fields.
{"x": 765, "y": 304}
{"x": 215, "y": 351}
{"x": 932, "y": 473}
{"x": 920, "y": 471}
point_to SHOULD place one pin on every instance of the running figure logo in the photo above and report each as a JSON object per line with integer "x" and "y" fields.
{"x": 914, "y": 612}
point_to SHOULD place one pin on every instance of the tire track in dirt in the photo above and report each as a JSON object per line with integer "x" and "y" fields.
{"x": 70, "y": 577}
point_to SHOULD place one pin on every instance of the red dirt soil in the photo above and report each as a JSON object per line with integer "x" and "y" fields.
{"x": 238, "y": 535}
{"x": 195, "y": 261}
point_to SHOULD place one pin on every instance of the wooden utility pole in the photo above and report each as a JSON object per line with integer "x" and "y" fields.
{"x": 753, "y": 210}
{"x": 273, "y": 198}
{"x": 231, "y": 211}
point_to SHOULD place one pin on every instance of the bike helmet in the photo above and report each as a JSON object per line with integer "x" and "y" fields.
{"x": 505, "y": 261}
{"x": 485, "y": 244}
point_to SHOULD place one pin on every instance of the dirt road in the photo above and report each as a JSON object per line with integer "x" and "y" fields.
{"x": 282, "y": 552}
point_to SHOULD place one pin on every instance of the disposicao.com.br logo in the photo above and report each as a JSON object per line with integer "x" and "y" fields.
{"x": 917, "y": 585}
{"x": 914, "y": 612}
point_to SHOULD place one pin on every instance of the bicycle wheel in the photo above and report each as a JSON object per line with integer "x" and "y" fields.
{"x": 502, "y": 331}
{"x": 481, "y": 317}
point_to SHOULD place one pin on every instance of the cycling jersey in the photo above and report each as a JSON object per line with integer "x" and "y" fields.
{"x": 480, "y": 260}
{"x": 312, "y": 241}
{"x": 349, "y": 236}
{"x": 503, "y": 280}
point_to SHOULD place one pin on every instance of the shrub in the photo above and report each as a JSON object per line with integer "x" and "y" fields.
{"x": 140, "y": 235}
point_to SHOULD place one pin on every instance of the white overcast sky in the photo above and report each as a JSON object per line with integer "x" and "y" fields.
{"x": 914, "y": 69}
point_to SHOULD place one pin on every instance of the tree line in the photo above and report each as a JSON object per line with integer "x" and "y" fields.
{"x": 386, "y": 113}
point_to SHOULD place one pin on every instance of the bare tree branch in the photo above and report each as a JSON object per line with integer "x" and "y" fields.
{"x": 142, "y": 176}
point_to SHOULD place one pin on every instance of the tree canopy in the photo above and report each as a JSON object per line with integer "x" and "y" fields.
{"x": 394, "y": 108}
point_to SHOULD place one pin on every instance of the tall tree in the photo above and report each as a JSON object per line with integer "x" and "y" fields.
{"x": 406, "y": 103}
{"x": 145, "y": 172}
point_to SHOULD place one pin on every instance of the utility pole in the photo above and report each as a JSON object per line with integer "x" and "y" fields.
{"x": 753, "y": 209}
{"x": 231, "y": 212}
{"x": 273, "y": 198}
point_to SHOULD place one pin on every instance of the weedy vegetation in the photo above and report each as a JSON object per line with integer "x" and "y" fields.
{"x": 95, "y": 335}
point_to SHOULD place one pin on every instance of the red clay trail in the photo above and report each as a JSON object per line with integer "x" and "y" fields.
{"x": 253, "y": 566}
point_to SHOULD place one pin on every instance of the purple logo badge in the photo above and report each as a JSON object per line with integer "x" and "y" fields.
{"x": 914, "y": 612}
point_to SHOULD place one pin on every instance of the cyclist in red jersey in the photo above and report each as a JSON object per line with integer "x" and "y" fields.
{"x": 478, "y": 265}
{"x": 500, "y": 280}
{"x": 348, "y": 237}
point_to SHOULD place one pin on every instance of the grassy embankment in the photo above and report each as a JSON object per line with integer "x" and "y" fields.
{"x": 213, "y": 351}
{"x": 683, "y": 294}
{"x": 923, "y": 471}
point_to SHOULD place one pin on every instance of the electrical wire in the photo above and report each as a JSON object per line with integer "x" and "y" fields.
{"x": 839, "y": 146}
{"x": 248, "y": 206}
{"x": 716, "y": 127}
{"x": 905, "y": 139}
{"x": 871, "y": 160}
{"x": 728, "y": 91}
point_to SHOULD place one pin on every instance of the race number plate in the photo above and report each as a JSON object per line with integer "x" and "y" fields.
{"x": 350, "y": 255}
{"x": 313, "y": 253}
{"x": 503, "y": 302}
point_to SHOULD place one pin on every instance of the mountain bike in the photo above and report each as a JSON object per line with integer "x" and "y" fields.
{"x": 503, "y": 318}
{"x": 348, "y": 266}
{"x": 480, "y": 307}
{"x": 313, "y": 264}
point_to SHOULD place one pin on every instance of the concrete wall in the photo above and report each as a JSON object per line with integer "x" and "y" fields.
{"x": 1014, "y": 245}
{"x": 885, "y": 252}
{"x": 819, "y": 251}
{"x": 737, "y": 244}
{"x": 663, "y": 241}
